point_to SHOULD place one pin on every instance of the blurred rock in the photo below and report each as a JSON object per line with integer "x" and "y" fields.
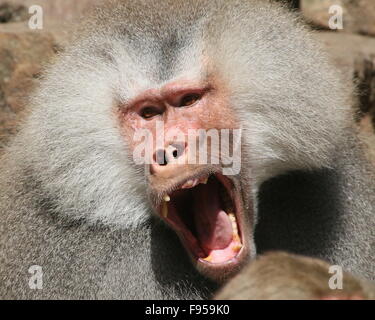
{"x": 60, "y": 17}
{"x": 23, "y": 52}
{"x": 364, "y": 75}
{"x": 365, "y": 78}
{"x": 61, "y": 11}
{"x": 367, "y": 136}
{"x": 359, "y": 15}
{"x": 13, "y": 12}
{"x": 354, "y": 55}
{"x": 21, "y": 58}
{"x": 346, "y": 49}
{"x": 294, "y": 4}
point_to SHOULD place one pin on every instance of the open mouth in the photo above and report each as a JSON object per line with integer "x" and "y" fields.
{"x": 206, "y": 215}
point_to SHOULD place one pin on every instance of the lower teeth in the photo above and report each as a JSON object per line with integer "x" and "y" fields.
{"x": 236, "y": 236}
{"x": 233, "y": 220}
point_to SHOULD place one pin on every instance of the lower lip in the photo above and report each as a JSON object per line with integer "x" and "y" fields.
{"x": 234, "y": 260}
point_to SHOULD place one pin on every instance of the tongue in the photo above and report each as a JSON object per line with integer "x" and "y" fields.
{"x": 214, "y": 229}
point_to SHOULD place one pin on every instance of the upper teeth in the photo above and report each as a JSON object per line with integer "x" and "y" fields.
{"x": 236, "y": 236}
{"x": 233, "y": 220}
{"x": 189, "y": 184}
{"x": 164, "y": 209}
{"x": 194, "y": 182}
{"x": 166, "y": 198}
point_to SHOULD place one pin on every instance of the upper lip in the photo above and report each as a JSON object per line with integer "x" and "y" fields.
{"x": 170, "y": 185}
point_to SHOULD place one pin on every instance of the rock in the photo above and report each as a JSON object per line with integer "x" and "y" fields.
{"x": 347, "y": 51}
{"x": 22, "y": 56}
{"x": 354, "y": 55}
{"x": 364, "y": 75}
{"x": 294, "y": 4}
{"x": 358, "y": 16}
{"x": 12, "y": 12}
{"x": 367, "y": 136}
{"x": 23, "y": 52}
{"x": 63, "y": 11}
{"x": 59, "y": 17}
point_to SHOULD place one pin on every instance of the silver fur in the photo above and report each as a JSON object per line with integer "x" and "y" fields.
{"x": 73, "y": 202}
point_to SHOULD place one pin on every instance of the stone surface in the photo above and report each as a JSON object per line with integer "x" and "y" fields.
{"x": 354, "y": 55}
{"x": 367, "y": 136}
{"x": 358, "y": 15}
{"x": 60, "y": 17}
{"x": 21, "y": 58}
{"x": 364, "y": 75}
{"x": 56, "y": 10}
{"x": 23, "y": 52}
{"x": 12, "y": 12}
{"x": 346, "y": 49}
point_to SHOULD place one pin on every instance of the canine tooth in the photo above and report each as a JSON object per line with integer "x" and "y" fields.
{"x": 236, "y": 237}
{"x": 188, "y": 184}
{"x": 208, "y": 259}
{"x": 233, "y": 220}
{"x": 234, "y": 227}
{"x": 237, "y": 248}
{"x": 167, "y": 198}
{"x": 164, "y": 209}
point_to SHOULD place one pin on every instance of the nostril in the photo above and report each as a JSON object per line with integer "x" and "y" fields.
{"x": 160, "y": 157}
{"x": 178, "y": 149}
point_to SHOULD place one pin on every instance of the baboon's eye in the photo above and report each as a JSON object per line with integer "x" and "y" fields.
{"x": 189, "y": 100}
{"x": 150, "y": 112}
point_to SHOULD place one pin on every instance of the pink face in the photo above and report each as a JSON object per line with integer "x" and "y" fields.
{"x": 204, "y": 207}
{"x": 181, "y": 105}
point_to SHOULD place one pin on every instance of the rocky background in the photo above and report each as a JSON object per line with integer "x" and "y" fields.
{"x": 24, "y": 52}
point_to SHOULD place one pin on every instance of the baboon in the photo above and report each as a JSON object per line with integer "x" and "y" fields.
{"x": 99, "y": 223}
